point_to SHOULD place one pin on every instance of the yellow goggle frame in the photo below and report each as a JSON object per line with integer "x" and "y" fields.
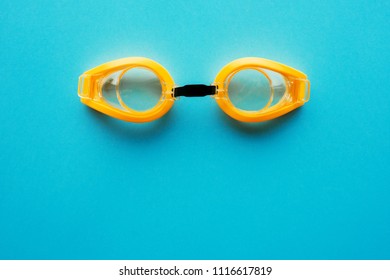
{"x": 297, "y": 89}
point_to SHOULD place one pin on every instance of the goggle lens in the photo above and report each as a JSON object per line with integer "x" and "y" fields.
{"x": 257, "y": 89}
{"x": 136, "y": 89}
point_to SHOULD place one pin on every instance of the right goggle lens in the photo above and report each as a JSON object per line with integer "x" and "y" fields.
{"x": 256, "y": 89}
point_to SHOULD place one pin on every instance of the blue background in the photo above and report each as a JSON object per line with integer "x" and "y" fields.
{"x": 76, "y": 184}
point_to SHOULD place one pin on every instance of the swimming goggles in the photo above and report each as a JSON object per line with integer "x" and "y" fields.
{"x": 138, "y": 89}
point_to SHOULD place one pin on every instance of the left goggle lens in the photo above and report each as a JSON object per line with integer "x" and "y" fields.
{"x": 136, "y": 89}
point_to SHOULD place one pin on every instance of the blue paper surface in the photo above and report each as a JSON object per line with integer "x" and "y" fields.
{"x": 76, "y": 184}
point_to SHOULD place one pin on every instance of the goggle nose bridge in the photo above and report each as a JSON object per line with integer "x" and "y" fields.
{"x": 197, "y": 90}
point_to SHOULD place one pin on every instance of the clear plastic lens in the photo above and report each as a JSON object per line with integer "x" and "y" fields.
{"x": 278, "y": 84}
{"x": 136, "y": 89}
{"x": 256, "y": 89}
{"x": 109, "y": 87}
{"x": 249, "y": 90}
{"x": 140, "y": 89}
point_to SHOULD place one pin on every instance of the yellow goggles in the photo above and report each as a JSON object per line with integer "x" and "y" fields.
{"x": 138, "y": 89}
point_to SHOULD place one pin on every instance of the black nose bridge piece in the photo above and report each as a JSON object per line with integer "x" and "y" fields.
{"x": 194, "y": 90}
